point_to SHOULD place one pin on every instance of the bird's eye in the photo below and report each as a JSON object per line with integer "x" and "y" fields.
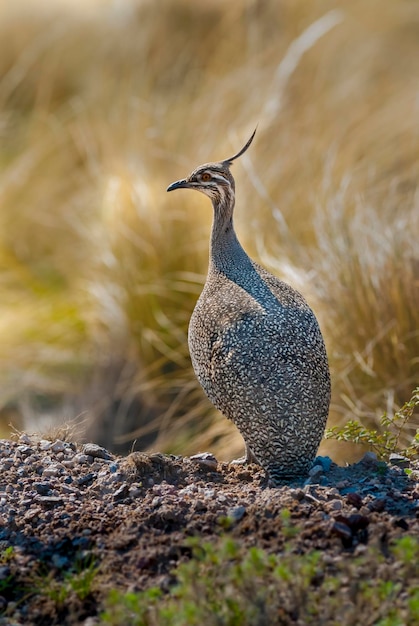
{"x": 206, "y": 177}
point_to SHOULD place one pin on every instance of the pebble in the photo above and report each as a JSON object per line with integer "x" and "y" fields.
{"x": 87, "y": 478}
{"x": 399, "y": 460}
{"x": 205, "y": 459}
{"x": 324, "y": 461}
{"x": 59, "y": 561}
{"x": 121, "y": 493}
{"x": 24, "y": 450}
{"x": 316, "y": 472}
{"x": 44, "y": 444}
{"x": 24, "y": 438}
{"x": 4, "y": 572}
{"x": 236, "y": 513}
{"x": 82, "y": 458}
{"x": 68, "y": 463}
{"x": 135, "y": 491}
{"x": 369, "y": 458}
{"x": 298, "y": 494}
{"x": 354, "y": 499}
{"x": 49, "y": 501}
{"x": 92, "y": 449}
{"x": 378, "y": 505}
{"x": 42, "y": 488}
{"x": 58, "y": 446}
{"x": 52, "y": 470}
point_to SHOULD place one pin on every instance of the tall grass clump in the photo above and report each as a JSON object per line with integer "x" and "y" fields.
{"x": 103, "y": 104}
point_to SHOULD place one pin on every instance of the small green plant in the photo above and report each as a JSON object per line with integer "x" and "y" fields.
{"x": 387, "y": 440}
{"x": 7, "y": 555}
{"x": 78, "y": 582}
{"x": 230, "y": 585}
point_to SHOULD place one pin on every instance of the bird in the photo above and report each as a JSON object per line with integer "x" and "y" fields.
{"x": 255, "y": 344}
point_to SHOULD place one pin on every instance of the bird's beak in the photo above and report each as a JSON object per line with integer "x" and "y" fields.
{"x": 179, "y": 184}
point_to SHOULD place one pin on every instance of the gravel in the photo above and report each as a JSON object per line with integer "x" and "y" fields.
{"x": 60, "y": 503}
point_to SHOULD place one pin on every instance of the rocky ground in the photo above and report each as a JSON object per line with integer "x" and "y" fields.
{"x": 63, "y": 507}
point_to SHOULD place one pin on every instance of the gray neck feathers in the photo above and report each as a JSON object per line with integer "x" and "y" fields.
{"x": 226, "y": 254}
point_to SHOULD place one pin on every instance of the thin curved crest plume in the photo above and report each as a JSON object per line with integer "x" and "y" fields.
{"x": 230, "y": 160}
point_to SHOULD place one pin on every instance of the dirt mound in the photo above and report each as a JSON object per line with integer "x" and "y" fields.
{"x": 64, "y": 509}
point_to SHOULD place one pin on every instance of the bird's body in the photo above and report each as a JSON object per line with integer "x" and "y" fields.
{"x": 255, "y": 344}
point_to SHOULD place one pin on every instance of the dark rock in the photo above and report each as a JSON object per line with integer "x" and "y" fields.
{"x": 42, "y": 488}
{"x": 399, "y": 460}
{"x": 354, "y": 499}
{"x": 97, "y": 452}
{"x": 121, "y": 493}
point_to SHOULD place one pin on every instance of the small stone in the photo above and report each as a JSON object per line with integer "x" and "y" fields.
{"x": 51, "y": 470}
{"x": 378, "y": 505}
{"x": 24, "y": 438}
{"x": 298, "y": 494}
{"x": 91, "y": 621}
{"x": 343, "y": 531}
{"x": 316, "y": 472}
{"x": 45, "y": 445}
{"x": 24, "y": 450}
{"x": 324, "y": 461}
{"x": 401, "y": 523}
{"x": 92, "y": 449}
{"x": 399, "y": 460}
{"x": 59, "y": 561}
{"x": 42, "y": 488}
{"x": 84, "y": 480}
{"x": 82, "y": 458}
{"x": 68, "y": 463}
{"x": 333, "y": 493}
{"x": 205, "y": 459}
{"x": 4, "y": 572}
{"x": 49, "y": 501}
{"x": 335, "y": 505}
{"x": 342, "y": 484}
{"x": 369, "y": 458}
{"x": 121, "y": 493}
{"x": 135, "y": 491}
{"x": 236, "y": 513}
{"x": 354, "y": 499}
{"x": 357, "y": 522}
{"x": 58, "y": 446}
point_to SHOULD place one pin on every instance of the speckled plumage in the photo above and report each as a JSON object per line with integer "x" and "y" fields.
{"x": 255, "y": 344}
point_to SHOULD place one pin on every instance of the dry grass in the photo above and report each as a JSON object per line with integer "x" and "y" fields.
{"x": 102, "y": 106}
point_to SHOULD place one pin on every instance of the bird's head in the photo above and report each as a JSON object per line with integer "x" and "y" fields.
{"x": 213, "y": 179}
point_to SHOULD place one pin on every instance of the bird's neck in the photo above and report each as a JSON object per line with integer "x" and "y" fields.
{"x": 226, "y": 252}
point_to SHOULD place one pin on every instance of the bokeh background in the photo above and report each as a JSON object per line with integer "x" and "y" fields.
{"x": 103, "y": 104}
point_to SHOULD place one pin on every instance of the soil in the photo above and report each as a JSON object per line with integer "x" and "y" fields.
{"x": 63, "y": 507}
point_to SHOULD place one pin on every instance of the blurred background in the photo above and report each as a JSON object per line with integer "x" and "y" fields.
{"x": 103, "y": 104}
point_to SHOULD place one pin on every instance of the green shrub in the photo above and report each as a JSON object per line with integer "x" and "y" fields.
{"x": 227, "y": 585}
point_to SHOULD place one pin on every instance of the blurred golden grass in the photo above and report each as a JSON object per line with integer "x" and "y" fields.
{"x": 103, "y": 104}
